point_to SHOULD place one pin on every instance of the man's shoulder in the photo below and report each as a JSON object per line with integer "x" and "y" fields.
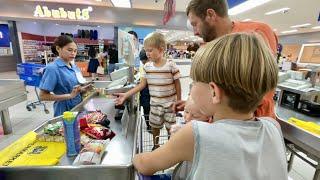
{"x": 251, "y": 25}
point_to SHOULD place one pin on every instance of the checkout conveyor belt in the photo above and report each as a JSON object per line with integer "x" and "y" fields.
{"x": 116, "y": 162}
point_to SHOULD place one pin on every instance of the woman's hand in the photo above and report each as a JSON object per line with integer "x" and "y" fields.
{"x": 121, "y": 98}
{"x": 75, "y": 91}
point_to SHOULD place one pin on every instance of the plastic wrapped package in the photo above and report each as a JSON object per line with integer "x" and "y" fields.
{"x": 92, "y": 152}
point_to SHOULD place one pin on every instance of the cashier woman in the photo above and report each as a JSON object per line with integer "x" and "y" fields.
{"x": 62, "y": 78}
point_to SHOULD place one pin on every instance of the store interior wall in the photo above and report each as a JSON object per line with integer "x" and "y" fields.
{"x": 313, "y": 37}
{"x": 51, "y": 29}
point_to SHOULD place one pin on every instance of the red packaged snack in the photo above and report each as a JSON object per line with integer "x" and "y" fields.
{"x": 99, "y": 133}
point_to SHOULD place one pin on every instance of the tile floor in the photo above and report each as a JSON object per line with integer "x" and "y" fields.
{"x": 24, "y": 121}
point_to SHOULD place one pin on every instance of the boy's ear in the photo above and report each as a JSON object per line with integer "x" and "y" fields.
{"x": 216, "y": 93}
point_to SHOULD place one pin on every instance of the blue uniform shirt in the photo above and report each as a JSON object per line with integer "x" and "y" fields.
{"x": 60, "y": 79}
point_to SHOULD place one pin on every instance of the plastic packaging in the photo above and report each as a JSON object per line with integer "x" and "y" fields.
{"x": 91, "y": 153}
{"x": 71, "y": 133}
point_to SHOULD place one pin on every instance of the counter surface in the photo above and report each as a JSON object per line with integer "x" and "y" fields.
{"x": 302, "y": 139}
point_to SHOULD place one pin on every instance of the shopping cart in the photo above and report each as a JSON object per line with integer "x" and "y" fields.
{"x": 32, "y": 74}
{"x": 146, "y": 144}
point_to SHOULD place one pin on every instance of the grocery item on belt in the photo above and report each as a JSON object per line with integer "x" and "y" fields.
{"x": 91, "y": 153}
{"x": 99, "y": 132}
{"x": 30, "y": 151}
{"x": 40, "y": 154}
{"x": 71, "y": 133}
{"x": 50, "y": 138}
{"x": 53, "y": 129}
{"x": 96, "y": 117}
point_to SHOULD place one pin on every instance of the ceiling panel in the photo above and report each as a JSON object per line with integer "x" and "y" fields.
{"x": 306, "y": 11}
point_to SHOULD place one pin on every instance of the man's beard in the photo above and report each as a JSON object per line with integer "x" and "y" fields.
{"x": 208, "y": 32}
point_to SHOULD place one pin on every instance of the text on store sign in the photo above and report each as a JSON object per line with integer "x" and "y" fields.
{"x": 60, "y": 13}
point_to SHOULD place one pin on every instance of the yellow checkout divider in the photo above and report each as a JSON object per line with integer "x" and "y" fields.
{"x": 28, "y": 151}
{"x": 306, "y": 125}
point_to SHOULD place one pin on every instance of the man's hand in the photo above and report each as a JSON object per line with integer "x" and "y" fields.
{"x": 178, "y": 106}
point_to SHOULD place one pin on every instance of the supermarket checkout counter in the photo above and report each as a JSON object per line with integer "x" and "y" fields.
{"x": 12, "y": 92}
{"x": 116, "y": 162}
{"x": 299, "y": 99}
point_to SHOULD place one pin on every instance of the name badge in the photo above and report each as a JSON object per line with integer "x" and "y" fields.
{"x": 80, "y": 78}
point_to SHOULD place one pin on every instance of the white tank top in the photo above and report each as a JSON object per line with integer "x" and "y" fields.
{"x": 238, "y": 150}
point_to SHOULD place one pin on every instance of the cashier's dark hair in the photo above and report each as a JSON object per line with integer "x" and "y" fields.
{"x": 61, "y": 41}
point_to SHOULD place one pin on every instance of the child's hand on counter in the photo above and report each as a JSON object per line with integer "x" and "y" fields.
{"x": 121, "y": 98}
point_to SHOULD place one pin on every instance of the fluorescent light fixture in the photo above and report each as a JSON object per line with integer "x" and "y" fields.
{"x": 277, "y": 11}
{"x": 98, "y": 26}
{"x": 301, "y": 25}
{"x": 290, "y": 31}
{"x": 245, "y": 6}
{"x": 245, "y": 20}
{"x": 164, "y": 31}
{"x": 316, "y": 27}
{"x": 121, "y": 3}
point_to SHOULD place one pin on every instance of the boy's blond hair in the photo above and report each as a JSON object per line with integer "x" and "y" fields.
{"x": 242, "y": 65}
{"x": 156, "y": 40}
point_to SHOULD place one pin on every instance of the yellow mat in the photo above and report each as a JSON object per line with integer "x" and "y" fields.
{"x": 27, "y": 151}
{"x": 306, "y": 125}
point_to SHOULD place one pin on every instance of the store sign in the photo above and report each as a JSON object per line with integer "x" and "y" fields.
{"x": 61, "y": 13}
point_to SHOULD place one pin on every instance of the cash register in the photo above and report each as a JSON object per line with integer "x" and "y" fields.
{"x": 300, "y": 90}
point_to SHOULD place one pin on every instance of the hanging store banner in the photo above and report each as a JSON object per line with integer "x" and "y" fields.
{"x": 61, "y": 13}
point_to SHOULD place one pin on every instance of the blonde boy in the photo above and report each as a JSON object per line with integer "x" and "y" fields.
{"x": 162, "y": 77}
{"x": 231, "y": 75}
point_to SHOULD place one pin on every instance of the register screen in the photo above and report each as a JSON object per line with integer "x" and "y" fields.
{"x": 310, "y": 54}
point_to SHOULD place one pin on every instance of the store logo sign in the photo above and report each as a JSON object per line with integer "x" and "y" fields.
{"x": 60, "y": 13}
{"x": 1, "y": 35}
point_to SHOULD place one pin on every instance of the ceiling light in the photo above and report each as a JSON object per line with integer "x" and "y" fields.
{"x": 274, "y": 29}
{"x": 121, "y": 3}
{"x": 277, "y": 11}
{"x": 57, "y": 24}
{"x": 245, "y": 6}
{"x": 245, "y": 20}
{"x": 316, "y": 27}
{"x": 98, "y": 26}
{"x": 290, "y": 31}
{"x": 301, "y": 25}
{"x": 164, "y": 31}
